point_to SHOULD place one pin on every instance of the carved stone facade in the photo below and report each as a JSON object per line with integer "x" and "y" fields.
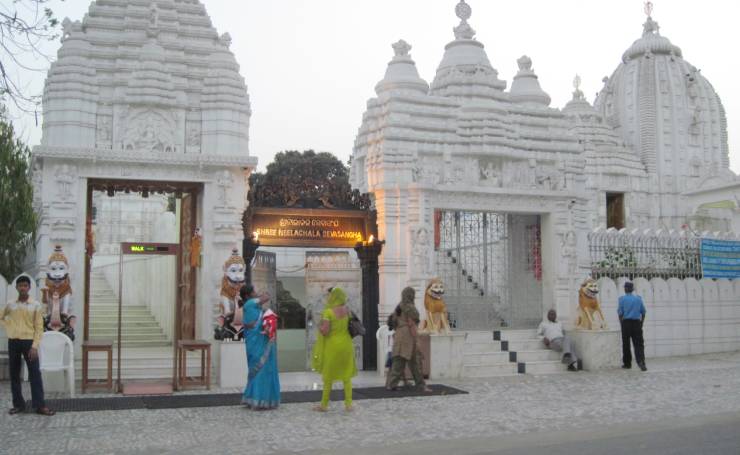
{"x": 147, "y": 100}
{"x": 464, "y": 142}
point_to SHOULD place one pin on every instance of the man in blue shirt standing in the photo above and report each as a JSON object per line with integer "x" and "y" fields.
{"x": 631, "y": 316}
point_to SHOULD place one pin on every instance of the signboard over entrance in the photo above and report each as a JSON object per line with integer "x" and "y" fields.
{"x": 309, "y": 227}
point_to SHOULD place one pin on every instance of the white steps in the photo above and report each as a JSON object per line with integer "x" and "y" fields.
{"x": 529, "y": 352}
{"x": 507, "y": 353}
{"x": 483, "y": 357}
{"x": 139, "y": 329}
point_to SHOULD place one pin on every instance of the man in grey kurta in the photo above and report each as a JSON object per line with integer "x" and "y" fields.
{"x": 405, "y": 342}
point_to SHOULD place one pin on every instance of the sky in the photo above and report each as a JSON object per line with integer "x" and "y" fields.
{"x": 311, "y": 65}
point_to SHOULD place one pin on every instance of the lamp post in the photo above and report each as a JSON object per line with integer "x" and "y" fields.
{"x": 249, "y": 249}
{"x": 368, "y": 252}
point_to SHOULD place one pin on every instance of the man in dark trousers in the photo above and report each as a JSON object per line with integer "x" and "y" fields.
{"x": 631, "y": 316}
{"x": 24, "y": 323}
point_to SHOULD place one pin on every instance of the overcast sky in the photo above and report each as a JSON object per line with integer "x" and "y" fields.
{"x": 311, "y": 65}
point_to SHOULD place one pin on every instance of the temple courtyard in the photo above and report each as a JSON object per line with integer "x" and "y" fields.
{"x": 679, "y": 402}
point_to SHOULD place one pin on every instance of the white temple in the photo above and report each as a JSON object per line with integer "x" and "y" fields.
{"x": 639, "y": 158}
{"x": 144, "y": 91}
{"x": 489, "y": 188}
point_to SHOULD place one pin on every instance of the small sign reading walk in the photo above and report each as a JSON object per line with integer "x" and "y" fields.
{"x": 720, "y": 258}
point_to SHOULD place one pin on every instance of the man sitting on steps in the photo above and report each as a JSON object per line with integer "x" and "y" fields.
{"x": 555, "y": 339}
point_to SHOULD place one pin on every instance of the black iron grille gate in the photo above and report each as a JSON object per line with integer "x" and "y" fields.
{"x": 491, "y": 266}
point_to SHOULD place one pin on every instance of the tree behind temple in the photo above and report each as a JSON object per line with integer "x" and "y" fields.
{"x": 17, "y": 218}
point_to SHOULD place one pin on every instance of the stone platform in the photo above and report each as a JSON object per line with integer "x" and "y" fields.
{"x": 597, "y": 349}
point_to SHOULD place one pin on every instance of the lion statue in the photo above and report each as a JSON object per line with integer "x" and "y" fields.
{"x": 590, "y": 316}
{"x": 436, "y": 318}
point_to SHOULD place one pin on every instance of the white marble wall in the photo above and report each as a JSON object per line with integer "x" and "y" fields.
{"x": 683, "y": 316}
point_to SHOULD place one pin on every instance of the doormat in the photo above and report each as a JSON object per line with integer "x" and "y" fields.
{"x": 231, "y": 399}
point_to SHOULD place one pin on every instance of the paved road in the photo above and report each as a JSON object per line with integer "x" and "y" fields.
{"x": 711, "y": 435}
{"x": 680, "y": 405}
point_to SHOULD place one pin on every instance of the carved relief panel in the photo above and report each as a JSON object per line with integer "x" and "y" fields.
{"x": 152, "y": 130}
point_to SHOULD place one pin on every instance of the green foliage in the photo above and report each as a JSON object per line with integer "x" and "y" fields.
{"x": 686, "y": 258}
{"x": 17, "y": 218}
{"x": 618, "y": 258}
{"x": 297, "y": 168}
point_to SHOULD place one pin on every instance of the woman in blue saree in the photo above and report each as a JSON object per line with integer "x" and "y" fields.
{"x": 263, "y": 384}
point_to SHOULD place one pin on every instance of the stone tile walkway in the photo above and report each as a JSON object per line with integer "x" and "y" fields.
{"x": 674, "y": 387}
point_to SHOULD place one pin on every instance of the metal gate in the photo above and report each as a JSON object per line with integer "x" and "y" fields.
{"x": 491, "y": 266}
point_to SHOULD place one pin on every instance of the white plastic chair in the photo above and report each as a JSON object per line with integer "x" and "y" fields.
{"x": 56, "y": 353}
{"x": 383, "y": 347}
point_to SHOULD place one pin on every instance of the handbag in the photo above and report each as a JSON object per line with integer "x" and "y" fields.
{"x": 355, "y": 326}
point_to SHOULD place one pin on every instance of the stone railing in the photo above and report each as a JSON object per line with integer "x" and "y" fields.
{"x": 648, "y": 253}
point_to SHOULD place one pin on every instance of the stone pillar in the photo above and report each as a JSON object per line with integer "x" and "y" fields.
{"x": 368, "y": 253}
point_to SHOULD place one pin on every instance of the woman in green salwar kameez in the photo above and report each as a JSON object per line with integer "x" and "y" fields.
{"x": 333, "y": 353}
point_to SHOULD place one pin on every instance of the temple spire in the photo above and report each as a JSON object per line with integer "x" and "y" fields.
{"x": 464, "y": 30}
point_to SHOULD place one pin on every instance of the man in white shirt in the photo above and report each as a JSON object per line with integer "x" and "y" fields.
{"x": 555, "y": 339}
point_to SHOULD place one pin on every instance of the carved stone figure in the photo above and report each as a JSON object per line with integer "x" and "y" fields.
{"x": 149, "y": 131}
{"x": 57, "y": 295}
{"x": 194, "y": 135}
{"x": 436, "y": 317}
{"x": 229, "y": 321}
{"x": 65, "y": 178}
{"x": 419, "y": 249}
{"x": 491, "y": 175}
{"x": 590, "y": 316}
{"x": 569, "y": 252}
{"x": 224, "y": 182}
{"x": 103, "y": 132}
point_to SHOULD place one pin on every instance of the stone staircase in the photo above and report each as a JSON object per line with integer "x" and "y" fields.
{"x": 506, "y": 353}
{"x": 139, "y": 328}
{"x": 153, "y": 363}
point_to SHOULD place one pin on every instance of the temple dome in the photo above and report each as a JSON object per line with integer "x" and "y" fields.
{"x": 664, "y": 108}
{"x": 465, "y": 71}
{"x": 401, "y": 73}
{"x": 526, "y": 88}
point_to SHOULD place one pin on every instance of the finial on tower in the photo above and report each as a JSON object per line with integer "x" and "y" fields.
{"x": 577, "y": 93}
{"x": 463, "y": 31}
{"x": 401, "y": 48}
{"x": 648, "y": 9}
{"x": 650, "y": 26}
{"x": 463, "y": 11}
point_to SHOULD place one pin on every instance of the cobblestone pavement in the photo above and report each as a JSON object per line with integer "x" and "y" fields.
{"x": 672, "y": 388}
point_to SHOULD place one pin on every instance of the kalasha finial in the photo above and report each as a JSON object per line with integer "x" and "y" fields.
{"x": 401, "y": 48}
{"x": 464, "y": 30}
{"x": 577, "y": 93}
{"x": 463, "y": 11}
{"x": 525, "y": 63}
{"x": 648, "y": 9}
